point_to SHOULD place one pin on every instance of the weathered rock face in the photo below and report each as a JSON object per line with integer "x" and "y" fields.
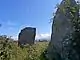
{"x": 27, "y": 36}
{"x": 60, "y": 28}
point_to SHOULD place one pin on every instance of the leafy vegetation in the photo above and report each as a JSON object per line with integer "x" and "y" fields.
{"x": 71, "y": 46}
{"x": 71, "y": 42}
{"x": 9, "y": 50}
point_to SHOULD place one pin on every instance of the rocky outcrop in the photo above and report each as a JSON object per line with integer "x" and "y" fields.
{"x": 27, "y": 36}
{"x": 61, "y": 27}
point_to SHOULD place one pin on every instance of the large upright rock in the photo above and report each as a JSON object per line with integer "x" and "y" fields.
{"x": 27, "y": 36}
{"x": 60, "y": 28}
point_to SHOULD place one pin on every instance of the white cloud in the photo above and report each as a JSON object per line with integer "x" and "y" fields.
{"x": 76, "y": 0}
{"x": 14, "y": 37}
{"x": 10, "y": 23}
{"x": 43, "y": 36}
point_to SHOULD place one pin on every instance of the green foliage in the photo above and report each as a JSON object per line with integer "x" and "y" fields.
{"x": 71, "y": 45}
{"x": 9, "y": 50}
{"x": 5, "y": 49}
{"x": 71, "y": 42}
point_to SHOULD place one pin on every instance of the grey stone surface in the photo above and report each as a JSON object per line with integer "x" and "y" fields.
{"x": 27, "y": 36}
{"x": 61, "y": 26}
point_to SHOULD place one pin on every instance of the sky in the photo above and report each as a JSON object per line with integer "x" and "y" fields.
{"x": 18, "y": 14}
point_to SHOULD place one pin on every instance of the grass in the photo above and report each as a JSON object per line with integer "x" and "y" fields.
{"x": 25, "y": 53}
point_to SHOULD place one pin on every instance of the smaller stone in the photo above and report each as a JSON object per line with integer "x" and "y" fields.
{"x": 27, "y": 36}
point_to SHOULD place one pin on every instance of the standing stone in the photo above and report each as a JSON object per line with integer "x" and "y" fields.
{"x": 27, "y": 36}
{"x": 60, "y": 28}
